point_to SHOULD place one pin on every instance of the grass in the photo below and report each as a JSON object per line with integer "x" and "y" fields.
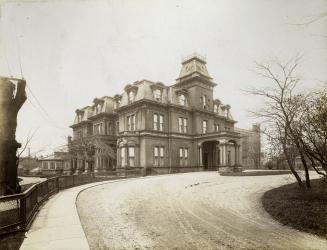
{"x": 304, "y": 210}
{"x": 256, "y": 173}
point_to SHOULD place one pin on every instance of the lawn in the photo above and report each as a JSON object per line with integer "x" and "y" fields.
{"x": 303, "y": 210}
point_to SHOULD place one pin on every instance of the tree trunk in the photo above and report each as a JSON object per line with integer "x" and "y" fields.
{"x": 291, "y": 167}
{"x": 10, "y": 104}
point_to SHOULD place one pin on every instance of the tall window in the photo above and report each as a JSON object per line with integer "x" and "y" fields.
{"x": 157, "y": 94}
{"x": 215, "y": 108}
{"x": 158, "y": 122}
{"x": 131, "y": 123}
{"x": 183, "y": 156}
{"x": 185, "y": 125}
{"x": 97, "y": 129}
{"x": 228, "y": 157}
{"x": 204, "y": 101}
{"x": 117, "y": 128}
{"x": 182, "y": 100}
{"x": 161, "y": 122}
{"x": 217, "y": 127}
{"x": 131, "y": 156}
{"x": 131, "y": 97}
{"x": 204, "y": 126}
{"x": 109, "y": 128}
{"x": 158, "y": 155}
{"x": 155, "y": 121}
{"x": 182, "y": 125}
{"x": 123, "y": 157}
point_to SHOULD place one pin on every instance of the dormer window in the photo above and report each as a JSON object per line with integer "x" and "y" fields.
{"x": 117, "y": 99}
{"x": 157, "y": 95}
{"x": 131, "y": 97}
{"x": 98, "y": 108}
{"x": 215, "y": 108}
{"x": 182, "y": 99}
{"x": 79, "y": 115}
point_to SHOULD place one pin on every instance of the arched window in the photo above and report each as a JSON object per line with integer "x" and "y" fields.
{"x": 182, "y": 99}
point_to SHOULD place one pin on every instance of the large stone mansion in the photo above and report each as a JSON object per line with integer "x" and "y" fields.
{"x": 158, "y": 128}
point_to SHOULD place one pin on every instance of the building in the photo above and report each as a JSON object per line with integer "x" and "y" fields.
{"x": 27, "y": 165}
{"x": 59, "y": 163}
{"x": 251, "y": 147}
{"x": 158, "y": 128}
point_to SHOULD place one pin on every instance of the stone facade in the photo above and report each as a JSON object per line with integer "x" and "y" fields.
{"x": 158, "y": 128}
{"x": 251, "y": 147}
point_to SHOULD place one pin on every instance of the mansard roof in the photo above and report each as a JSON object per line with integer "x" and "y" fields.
{"x": 193, "y": 70}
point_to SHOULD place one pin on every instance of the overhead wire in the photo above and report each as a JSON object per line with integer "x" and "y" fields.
{"x": 18, "y": 52}
{"x": 48, "y": 118}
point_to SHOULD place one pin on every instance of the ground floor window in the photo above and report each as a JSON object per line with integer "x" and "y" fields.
{"x": 228, "y": 158}
{"x": 123, "y": 157}
{"x": 44, "y": 165}
{"x": 131, "y": 156}
{"x": 183, "y": 156}
{"x": 159, "y": 154}
{"x": 127, "y": 156}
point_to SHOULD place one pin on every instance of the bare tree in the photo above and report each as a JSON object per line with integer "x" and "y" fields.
{"x": 311, "y": 129}
{"x": 281, "y": 107}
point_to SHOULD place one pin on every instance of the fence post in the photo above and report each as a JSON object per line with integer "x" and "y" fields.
{"x": 57, "y": 183}
{"x": 22, "y": 211}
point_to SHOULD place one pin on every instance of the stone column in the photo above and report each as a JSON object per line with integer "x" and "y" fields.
{"x": 235, "y": 156}
{"x": 238, "y": 155}
{"x": 200, "y": 156}
{"x": 217, "y": 154}
{"x": 223, "y": 154}
{"x": 86, "y": 164}
{"x": 79, "y": 164}
{"x": 96, "y": 163}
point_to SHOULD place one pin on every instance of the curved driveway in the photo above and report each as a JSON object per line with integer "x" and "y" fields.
{"x": 187, "y": 211}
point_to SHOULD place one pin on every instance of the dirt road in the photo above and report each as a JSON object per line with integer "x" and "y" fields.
{"x": 187, "y": 211}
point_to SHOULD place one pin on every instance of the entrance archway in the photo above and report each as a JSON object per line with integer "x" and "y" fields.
{"x": 210, "y": 155}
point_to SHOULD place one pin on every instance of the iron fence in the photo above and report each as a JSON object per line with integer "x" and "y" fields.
{"x": 17, "y": 211}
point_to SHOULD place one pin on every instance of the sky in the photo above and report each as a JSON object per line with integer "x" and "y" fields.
{"x": 73, "y": 51}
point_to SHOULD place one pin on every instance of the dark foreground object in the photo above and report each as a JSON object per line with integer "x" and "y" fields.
{"x": 304, "y": 210}
{"x": 12, "y": 241}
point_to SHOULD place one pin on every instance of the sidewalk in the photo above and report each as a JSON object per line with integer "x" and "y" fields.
{"x": 57, "y": 225}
